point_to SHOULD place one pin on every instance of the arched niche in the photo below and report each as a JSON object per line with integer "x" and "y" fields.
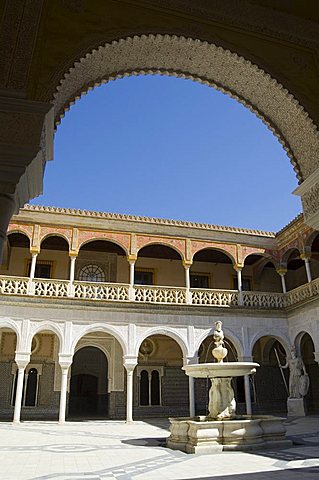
{"x": 102, "y": 261}
{"x": 97, "y": 384}
{"x": 212, "y": 268}
{"x": 159, "y": 382}
{"x": 53, "y": 258}
{"x": 259, "y": 274}
{"x": 17, "y": 254}
{"x": 159, "y": 264}
{"x": 270, "y": 381}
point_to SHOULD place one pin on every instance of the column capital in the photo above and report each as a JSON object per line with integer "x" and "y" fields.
{"x": 22, "y": 359}
{"x": 65, "y": 360}
{"x": 187, "y": 263}
{"x": 34, "y": 250}
{"x": 190, "y": 360}
{"x": 281, "y": 271}
{"x": 132, "y": 257}
{"x": 238, "y": 267}
{"x": 130, "y": 362}
{"x": 305, "y": 256}
{"x": 73, "y": 253}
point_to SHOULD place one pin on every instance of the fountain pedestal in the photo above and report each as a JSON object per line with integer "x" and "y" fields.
{"x": 222, "y": 429}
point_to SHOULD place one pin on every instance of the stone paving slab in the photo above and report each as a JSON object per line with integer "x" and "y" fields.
{"x": 100, "y": 450}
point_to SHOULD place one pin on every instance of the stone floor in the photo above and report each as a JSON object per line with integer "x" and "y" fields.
{"x": 100, "y": 450}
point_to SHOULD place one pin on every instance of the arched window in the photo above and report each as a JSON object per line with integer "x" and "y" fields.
{"x": 92, "y": 273}
{"x": 150, "y": 385}
{"x": 144, "y": 388}
{"x": 31, "y": 388}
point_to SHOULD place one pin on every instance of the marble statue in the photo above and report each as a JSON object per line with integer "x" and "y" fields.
{"x": 219, "y": 352}
{"x": 298, "y": 378}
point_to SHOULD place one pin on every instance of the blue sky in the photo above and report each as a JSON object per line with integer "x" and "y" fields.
{"x": 171, "y": 148}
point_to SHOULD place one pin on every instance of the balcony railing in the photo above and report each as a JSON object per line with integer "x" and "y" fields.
{"x": 121, "y": 292}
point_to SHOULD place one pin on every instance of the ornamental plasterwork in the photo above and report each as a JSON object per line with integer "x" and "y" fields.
{"x": 208, "y": 64}
{"x": 310, "y": 201}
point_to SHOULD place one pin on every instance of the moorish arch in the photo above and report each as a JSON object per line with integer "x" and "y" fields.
{"x": 99, "y": 327}
{"x": 206, "y": 63}
{"x": 230, "y": 337}
{"x": 166, "y": 331}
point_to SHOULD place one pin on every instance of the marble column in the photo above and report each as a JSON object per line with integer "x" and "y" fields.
{"x": 247, "y": 395}
{"x": 73, "y": 258}
{"x": 132, "y": 275}
{"x": 65, "y": 362}
{"x": 306, "y": 258}
{"x": 129, "y": 364}
{"x": 238, "y": 269}
{"x": 282, "y": 272}
{"x": 187, "y": 266}
{"x": 22, "y": 360}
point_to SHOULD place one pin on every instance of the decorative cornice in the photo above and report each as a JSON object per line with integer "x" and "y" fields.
{"x": 141, "y": 219}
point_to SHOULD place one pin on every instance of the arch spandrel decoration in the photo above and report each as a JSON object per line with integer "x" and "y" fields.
{"x": 121, "y": 239}
{"x": 176, "y": 244}
{"x": 24, "y": 229}
{"x": 46, "y": 232}
{"x": 208, "y": 64}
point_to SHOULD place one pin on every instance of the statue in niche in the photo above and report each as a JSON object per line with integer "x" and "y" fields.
{"x": 298, "y": 378}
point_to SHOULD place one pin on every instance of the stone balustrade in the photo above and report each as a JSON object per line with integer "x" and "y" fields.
{"x": 120, "y": 292}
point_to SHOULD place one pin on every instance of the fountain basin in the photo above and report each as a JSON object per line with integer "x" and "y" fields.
{"x": 220, "y": 370}
{"x": 200, "y": 435}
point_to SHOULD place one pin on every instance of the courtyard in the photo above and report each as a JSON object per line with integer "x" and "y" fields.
{"x": 98, "y": 450}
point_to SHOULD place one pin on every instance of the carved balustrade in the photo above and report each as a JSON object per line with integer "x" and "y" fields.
{"x": 120, "y": 292}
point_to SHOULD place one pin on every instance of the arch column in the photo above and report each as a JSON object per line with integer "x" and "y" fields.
{"x": 191, "y": 386}
{"x": 247, "y": 387}
{"x": 306, "y": 258}
{"x": 73, "y": 256}
{"x": 65, "y": 361}
{"x": 187, "y": 265}
{"x": 282, "y": 272}
{"x": 131, "y": 260}
{"x": 238, "y": 269}
{"x": 22, "y": 359}
{"x": 130, "y": 363}
{"x": 34, "y": 255}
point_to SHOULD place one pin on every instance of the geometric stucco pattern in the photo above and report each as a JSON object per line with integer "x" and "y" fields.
{"x": 310, "y": 201}
{"x": 206, "y": 63}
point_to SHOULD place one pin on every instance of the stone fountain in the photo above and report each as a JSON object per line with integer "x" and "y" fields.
{"x": 222, "y": 429}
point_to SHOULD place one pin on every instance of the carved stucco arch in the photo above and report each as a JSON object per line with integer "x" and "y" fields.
{"x": 208, "y": 64}
{"x": 280, "y": 336}
{"x": 99, "y": 327}
{"x": 48, "y": 327}
{"x": 168, "y": 332}
{"x": 229, "y": 335}
{"x": 7, "y": 323}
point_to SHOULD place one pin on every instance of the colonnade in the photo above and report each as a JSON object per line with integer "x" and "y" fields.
{"x": 281, "y": 270}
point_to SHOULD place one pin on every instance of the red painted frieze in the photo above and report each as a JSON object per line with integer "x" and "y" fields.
{"x": 63, "y": 232}
{"x": 176, "y": 243}
{"x": 227, "y": 248}
{"x": 122, "y": 239}
{"x": 17, "y": 227}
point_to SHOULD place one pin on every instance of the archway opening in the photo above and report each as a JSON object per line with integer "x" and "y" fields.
{"x": 259, "y": 274}
{"x": 53, "y": 259}
{"x": 307, "y": 349}
{"x": 89, "y": 384}
{"x": 97, "y": 377}
{"x": 102, "y": 261}
{"x": 16, "y": 255}
{"x": 270, "y": 381}
{"x": 296, "y": 272}
{"x": 161, "y": 386}
{"x": 159, "y": 265}
{"x": 8, "y": 345}
{"x": 212, "y": 268}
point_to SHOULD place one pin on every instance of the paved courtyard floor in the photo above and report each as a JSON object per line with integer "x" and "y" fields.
{"x": 100, "y": 450}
